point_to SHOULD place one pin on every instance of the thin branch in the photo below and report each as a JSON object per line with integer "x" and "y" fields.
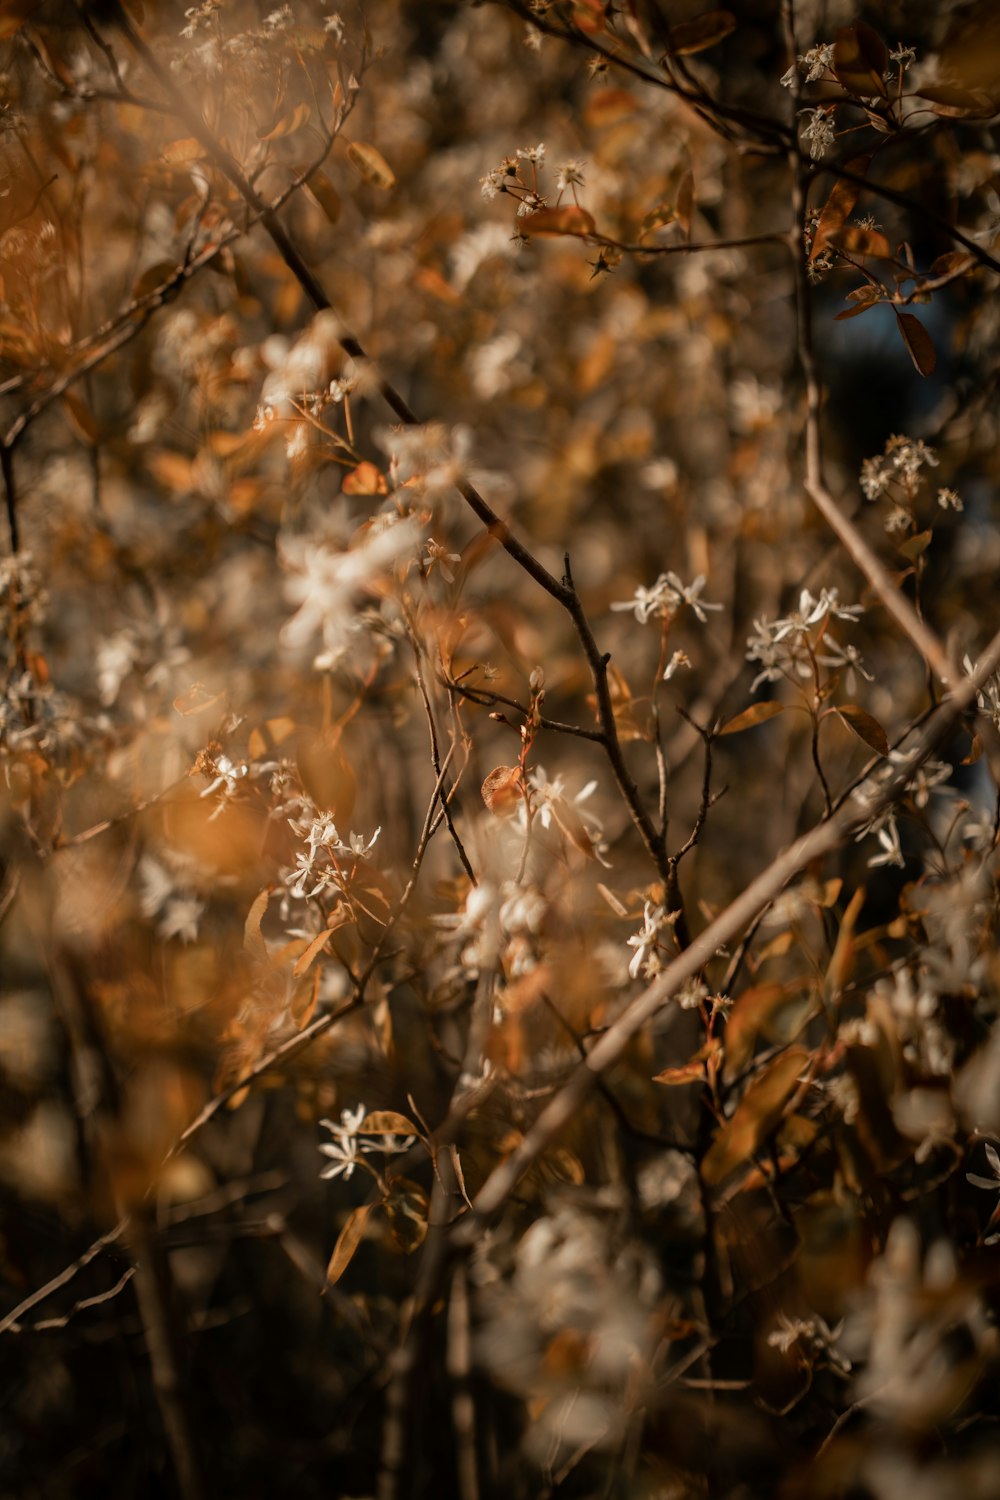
{"x": 820, "y": 841}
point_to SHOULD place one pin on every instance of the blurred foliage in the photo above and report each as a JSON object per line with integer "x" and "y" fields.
{"x": 417, "y": 628}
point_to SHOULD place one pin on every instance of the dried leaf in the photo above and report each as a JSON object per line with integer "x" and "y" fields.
{"x": 840, "y": 205}
{"x": 407, "y": 1207}
{"x": 348, "y": 1240}
{"x": 253, "y": 938}
{"x": 693, "y": 1071}
{"x": 287, "y": 124}
{"x": 755, "y": 1117}
{"x": 916, "y": 546}
{"x": 918, "y": 342}
{"x": 841, "y": 963}
{"x": 757, "y": 713}
{"x": 81, "y": 418}
{"x": 857, "y": 241}
{"x": 365, "y": 479}
{"x": 323, "y": 193}
{"x": 701, "y": 32}
{"x": 568, "y": 218}
{"x": 502, "y": 791}
{"x": 387, "y": 1122}
{"x": 860, "y": 59}
{"x": 179, "y": 153}
{"x": 865, "y": 727}
{"x": 371, "y": 164}
{"x": 952, "y": 262}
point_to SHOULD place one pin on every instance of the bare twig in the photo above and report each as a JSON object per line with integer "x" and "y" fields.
{"x": 821, "y": 840}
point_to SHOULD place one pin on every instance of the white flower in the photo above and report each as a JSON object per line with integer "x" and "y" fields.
{"x": 570, "y": 174}
{"x": 533, "y": 154}
{"x": 666, "y": 597}
{"x": 949, "y": 499}
{"x": 345, "y": 1150}
{"x": 655, "y": 920}
{"x": 819, "y": 132}
{"x": 678, "y": 660}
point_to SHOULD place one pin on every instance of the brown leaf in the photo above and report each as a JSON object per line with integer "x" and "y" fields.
{"x": 859, "y": 61}
{"x": 502, "y": 790}
{"x": 756, "y": 1116}
{"x": 865, "y": 727}
{"x": 348, "y": 1240}
{"x": 840, "y": 204}
{"x": 952, "y": 261}
{"x": 407, "y": 1208}
{"x": 956, "y": 103}
{"x": 858, "y": 241}
{"x": 692, "y": 1071}
{"x": 287, "y": 124}
{"x": 918, "y": 342}
{"x": 915, "y": 546}
{"x": 371, "y": 164}
{"x": 323, "y": 193}
{"x": 841, "y": 963}
{"x": 568, "y": 218}
{"x": 701, "y": 32}
{"x": 757, "y": 713}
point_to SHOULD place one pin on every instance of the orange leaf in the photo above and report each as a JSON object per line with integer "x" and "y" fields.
{"x": 839, "y": 205}
{"x": 569, "y": 218}
{"x": 387, "y": 1122}
{"x": 757, "y": 713}
{"x": 253, "y": 938}
{"x": 756, "y": 1116}
{"x": 371, "y": 164}
{"x": 365, "y": 480}
{"x": 178, "y": 153}
{"x": 323, "y": 193}
{"x": 287, "y": 124}
{"x": 348, "y": 1240}
{"x": 858, "y": 241}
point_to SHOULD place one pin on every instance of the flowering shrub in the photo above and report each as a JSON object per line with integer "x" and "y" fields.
{"x": 499, "y": 748}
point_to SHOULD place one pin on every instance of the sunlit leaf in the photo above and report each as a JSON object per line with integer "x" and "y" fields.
{"x": 180, "y": 153}
{"x": 387, "y": 1122}
{"x": 502, "y": 791}
{"x": 371, "y": 164}
{"x": 757, "y": 713}
{"x": 365, "y": 479}
{"x": 348, "y": 1240}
